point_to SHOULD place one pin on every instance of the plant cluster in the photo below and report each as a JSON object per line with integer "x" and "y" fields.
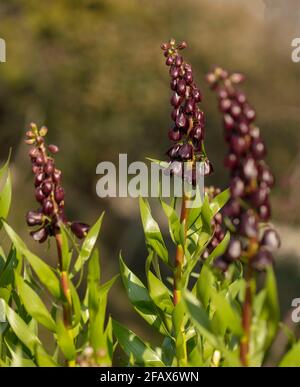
{"x": 204, "y": 316}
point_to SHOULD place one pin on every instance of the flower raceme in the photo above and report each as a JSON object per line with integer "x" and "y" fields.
{"x": 250, "y": 177}
{"x": 49, "y": 192}
{"x": 187, "y": 132}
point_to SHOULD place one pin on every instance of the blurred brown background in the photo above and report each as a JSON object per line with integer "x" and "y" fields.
{"x": 93, "y": 72}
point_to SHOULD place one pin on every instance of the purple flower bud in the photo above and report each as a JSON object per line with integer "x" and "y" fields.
{"x": 271, "y": 240}
{"x": 264, "y": 211}
{"x": 34, "y": 218}
{"x": 262, "y": 260}
{"x": 53, "y": 148}
{"x": 40, "y": 235}
{"x": 56, "y": 176}
{"x": 173, "y": 84}
{"x": 49, "y": 167}
{"x": 243, "y": 128}
{"x": 48, "y": 207}
{"x": 237, "y": 187}
{"x": 258, "y": 149}
{"x": 207, "y": 168}
{"x": 225, "y": 105}
{"x": 228, "y": 122}
{"x": 189, "y": 106}
{"x": 39, "y": 179}
{"x": 59, "y": 194}
{"x": 234, "y": 250}
{"x": 181, "y": 87}
{"x": 249, "y": 225}
{"x": 197, "y": 96}
{"x": 188, "y": 76}
{"x": 176, "y": 100}
{"x": 238, "y": 144}
{"x": 80, "y": 229}
{"x": 39, "y": 195}
{"x": 174, "y": 71}
{"x": 169, "y": 60}
{"x": 173, "y": 152}
{"x": 250, "y": 169}
{"x": 175, "y": 134}
{"x": 178, "y": 60}
{"x": 181, "y": 120}
{"x": 259, "y": 196}
{"x": 185, "y": 152}
{"x": 47, "y": 188}
{"x": 231, "y": 161}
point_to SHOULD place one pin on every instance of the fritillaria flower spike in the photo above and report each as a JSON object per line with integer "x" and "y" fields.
{"x": 49, "y": 192}
{"x": 187, "y": 132}
{"x": 250, "y": 177}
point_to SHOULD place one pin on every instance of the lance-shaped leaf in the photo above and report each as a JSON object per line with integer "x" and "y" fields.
{"x": 65, "y": 340}
{"x": 152, "y": 232}
{"x": 5, "y": 192}
{"x": 140, "y": 298}
{"x": 135, "y": 347}
{"x": 42, "y": 270}
{"x": 219, "y": 201}
{"x": 160, "y": 294}
{"x": 34, "y": 305}
{"x": 88, "y": 244}
{"x": 20, "y": 328}
{"x": 292, "y": 358}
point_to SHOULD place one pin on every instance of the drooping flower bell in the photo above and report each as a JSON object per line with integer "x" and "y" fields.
{"x": 250, "y": 177}
{"x": 49, "y": 192}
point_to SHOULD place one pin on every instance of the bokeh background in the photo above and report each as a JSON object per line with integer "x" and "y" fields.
{"x": 93, "y": 72}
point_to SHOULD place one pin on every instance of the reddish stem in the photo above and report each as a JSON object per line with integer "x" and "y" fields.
{"x": 67, "y": 306}
{"x": 179, "y": 258}
{"x": 246, "y": 320}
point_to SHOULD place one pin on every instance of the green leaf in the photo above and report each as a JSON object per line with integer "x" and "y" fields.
{"x": 65, "y": 341}
{"x": 219, "y": 201}
{"x": 292, "y": 358}
{"x": 18, "y": 359}
{"x": 5, "y": 193}
{"x": 152, "y": 232}
{"x": 34, "y": 305}
{"x": 140, "y": 298}
{"x": 88, "y": 244}
{"x": 271, "y": 306}
{"x": 20, "y": 328}
{"x": 76, "y": 304}
{"x": 135, "y": 347}
{"x": 43, "y": 271}
{"x": 227, "y": 314}
{"x": 7, "y": 273}
{"x": 200, "y": 318}
{"x": 204, "y": 285}
{"x": 203, "y": 325}
{"x": 160, "y": 294}
{"x": 43, "y": 359}
{"x": 98, "y": 337}
{"x": 174, "y": 223}
{"x": 93, "y": 283}
{"x": 219, "y": 250}
{"x": 66, "y": 252}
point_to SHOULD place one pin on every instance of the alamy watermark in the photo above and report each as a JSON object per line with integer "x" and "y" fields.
{"x": 296, "y": 51}
{"x": 2, "y": 50}
{"x": 154, "y": 179}
{"x": 296, "y": 311}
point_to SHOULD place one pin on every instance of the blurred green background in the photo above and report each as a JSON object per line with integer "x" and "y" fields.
{"x": 93, "y": 72}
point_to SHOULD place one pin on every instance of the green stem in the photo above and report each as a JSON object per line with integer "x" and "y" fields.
{"x": 181, "y": 351}
{"x": 246, "y": 320}
{"x": 64, "y": 281}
